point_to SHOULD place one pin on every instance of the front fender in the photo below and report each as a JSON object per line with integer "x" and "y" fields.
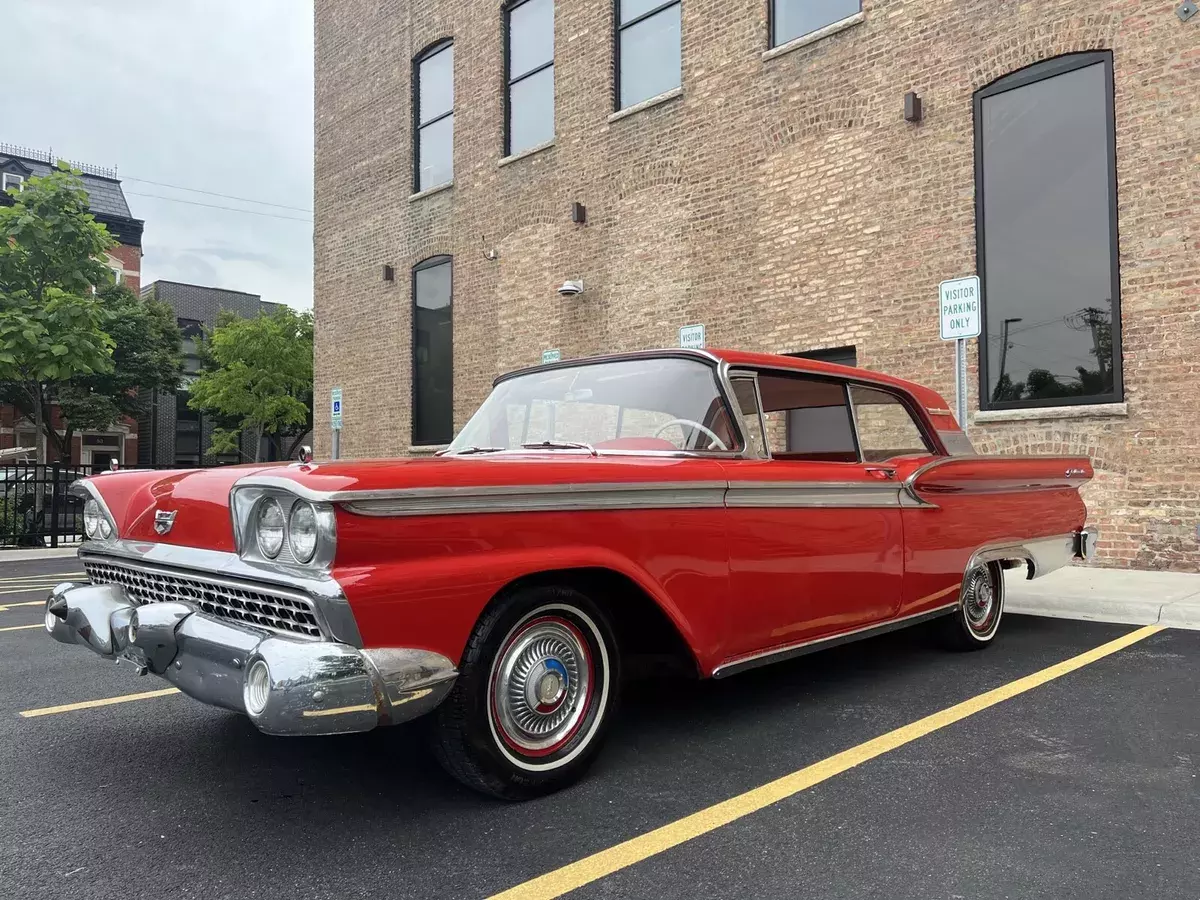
{"x": 433, "y": 603}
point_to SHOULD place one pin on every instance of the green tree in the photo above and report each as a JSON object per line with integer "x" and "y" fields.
{"x": 145, "y": 359}
{"x": 258, "y": 377}
{"x": 51, "y": 325}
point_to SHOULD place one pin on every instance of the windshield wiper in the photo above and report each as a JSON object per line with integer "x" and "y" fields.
{"x": 467, "y": 451}
{"x": 561, "y": 445}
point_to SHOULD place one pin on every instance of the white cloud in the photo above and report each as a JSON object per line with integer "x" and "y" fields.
{"x": 209, "y": 94}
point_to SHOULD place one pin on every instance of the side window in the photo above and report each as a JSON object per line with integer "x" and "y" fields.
{"x": 807, "y": 418}
{"x": 743, "y": 395}
{"x": 433, "y": 103}
{"x": 886, "y": 429}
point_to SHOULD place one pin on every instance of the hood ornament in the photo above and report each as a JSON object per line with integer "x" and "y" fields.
{"x": 164, "y": 520}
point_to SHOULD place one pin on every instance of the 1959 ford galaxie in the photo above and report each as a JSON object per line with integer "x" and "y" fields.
{"x": 727, "y": 509}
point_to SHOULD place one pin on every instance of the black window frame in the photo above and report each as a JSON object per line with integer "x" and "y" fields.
{"x": 429, "y": 263}
{"x": 510, "y": 82}
{"x": 1040, "y": 71}
{"x": 619, "y": 27}
{"x": 773, "y": 42}
{"x": 417, "y": 125}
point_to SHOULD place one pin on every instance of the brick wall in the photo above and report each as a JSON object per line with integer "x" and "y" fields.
{"x": 131, "y": 262}
{"x": 783, "y": 202}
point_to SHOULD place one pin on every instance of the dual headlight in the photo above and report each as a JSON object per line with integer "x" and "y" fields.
{"x": 95, "y": 524}
{"x": 297, "y": 527}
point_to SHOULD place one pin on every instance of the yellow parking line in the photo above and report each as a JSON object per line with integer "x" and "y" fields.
{"x": 29, "y": 590}
{"x": 5, "y": 607}
{"x": 54, "y": 577}
{"x": 592, "y": 868}
{"x": 22, "y": 627}
{"x": 92, "y": 704}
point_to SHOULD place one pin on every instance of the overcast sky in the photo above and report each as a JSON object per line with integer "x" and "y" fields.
{"x": 208, "y": 94}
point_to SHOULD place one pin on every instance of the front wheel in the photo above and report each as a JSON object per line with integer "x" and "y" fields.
{"x": 975, "y": 622}
{"x": 535, "y": 695}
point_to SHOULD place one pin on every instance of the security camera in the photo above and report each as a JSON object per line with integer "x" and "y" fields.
{"x": 571, "y": 288}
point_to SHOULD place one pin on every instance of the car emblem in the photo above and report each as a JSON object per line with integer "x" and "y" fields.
{"x": 164, "y": 519}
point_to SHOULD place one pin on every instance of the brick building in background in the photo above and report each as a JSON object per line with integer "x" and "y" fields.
{"x": 172, "y": 433}
{"x": 748, "y": 165}
{"x": 107, "y": 203}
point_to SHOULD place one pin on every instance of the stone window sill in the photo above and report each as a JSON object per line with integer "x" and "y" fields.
{"x": 813, "y": 36}
{"x": 526, "y": 153}
{"x": 426, "y": 449}
{"x": 1046, "y": 413}
{"x": 429, "y": 192}
{"x": 662, "y": 98}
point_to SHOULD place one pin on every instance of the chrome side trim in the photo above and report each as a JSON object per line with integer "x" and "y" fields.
{"x": 321, "y": 588}
{"x": 541, "y": 498}
{"x": 803, "y": 648}
{"x": 835, "y": 494}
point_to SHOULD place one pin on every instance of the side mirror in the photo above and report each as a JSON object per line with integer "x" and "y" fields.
{"x": 305, "y": 455}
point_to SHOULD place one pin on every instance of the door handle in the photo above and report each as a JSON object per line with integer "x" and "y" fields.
{"x": 880, "y": 472}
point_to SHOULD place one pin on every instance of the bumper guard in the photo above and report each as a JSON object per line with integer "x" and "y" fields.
{"x": 311, "y": 688}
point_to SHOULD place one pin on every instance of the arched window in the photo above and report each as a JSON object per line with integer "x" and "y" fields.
{"x": 1046, "y": 228}
{"x": 433, "y": 116}
{"x": 432, "y": 352}
{"x": 528, "y": 74}
{"x": 649, "y": 50}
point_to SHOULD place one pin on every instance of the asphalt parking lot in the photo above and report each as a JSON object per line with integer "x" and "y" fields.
{"x": 1083, "y": 783}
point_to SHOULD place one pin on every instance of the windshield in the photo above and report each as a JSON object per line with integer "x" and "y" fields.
{"x": 660, "y": 404}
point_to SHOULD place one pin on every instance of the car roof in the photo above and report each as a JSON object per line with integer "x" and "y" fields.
{"x": 926, "y": 397}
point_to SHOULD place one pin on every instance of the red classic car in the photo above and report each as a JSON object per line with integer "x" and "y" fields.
{"x": 730, "y": 509}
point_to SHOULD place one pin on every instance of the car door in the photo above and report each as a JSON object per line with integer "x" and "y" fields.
{"x": 815, "y": 533}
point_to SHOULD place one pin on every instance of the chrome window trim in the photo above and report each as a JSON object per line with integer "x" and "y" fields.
{"x": 751, "y": 376}
{"x": 333, "y": 610}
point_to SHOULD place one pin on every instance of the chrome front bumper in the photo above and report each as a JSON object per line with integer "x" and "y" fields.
{"x": 313, "y": 687}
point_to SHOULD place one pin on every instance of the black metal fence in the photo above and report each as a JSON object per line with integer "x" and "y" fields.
{"x": 37, "y": 508}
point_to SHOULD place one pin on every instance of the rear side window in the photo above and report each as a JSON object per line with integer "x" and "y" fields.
{"x": 886, "y": 429}
{"x": 807, "y": 418}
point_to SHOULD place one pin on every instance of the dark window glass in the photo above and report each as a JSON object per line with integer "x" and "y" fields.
{"x": 433, "y": 353}
{"x": 1047, "y": 231}
{"x": 886, "y": 429}
{"x": 434, "y": 102}
{"x": 187, "y": 432}
{"x": 791, "y": 19}
{"x": 648, "y": 49}
{"x": 530, "y": 75}
{"x": 807, "y": 418}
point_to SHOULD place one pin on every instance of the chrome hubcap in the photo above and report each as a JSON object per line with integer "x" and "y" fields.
{"x": 980, "y": 600}
{"x": 541, "y": 685}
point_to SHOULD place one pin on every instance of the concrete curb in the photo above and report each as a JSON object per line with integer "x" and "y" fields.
{"x": 37, "y": 553}
{"x": 1108, "y": 595}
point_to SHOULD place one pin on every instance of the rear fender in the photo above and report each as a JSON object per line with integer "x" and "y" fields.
{"x": 965, "y": 475}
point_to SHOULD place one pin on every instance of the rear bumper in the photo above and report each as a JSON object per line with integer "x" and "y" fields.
{"x": 312, "y": 687}
{"x": 1085, "y": 542}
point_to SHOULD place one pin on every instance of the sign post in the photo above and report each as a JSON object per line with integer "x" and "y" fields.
{"x": 335, "y": 420}
{"x": 959, "y": 307}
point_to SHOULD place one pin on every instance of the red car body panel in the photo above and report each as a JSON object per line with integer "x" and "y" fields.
{"x": 734, "y": 580}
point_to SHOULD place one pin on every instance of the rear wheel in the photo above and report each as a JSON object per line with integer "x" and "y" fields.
{"x": 975, "y": 622}
{"x": 534, "y": 697}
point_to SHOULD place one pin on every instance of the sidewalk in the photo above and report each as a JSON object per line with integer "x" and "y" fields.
{"x": 37, "y": 553}
{"x": 1108, "y": 595}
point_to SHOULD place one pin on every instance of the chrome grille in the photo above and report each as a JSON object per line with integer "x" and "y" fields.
{"x": 239, "y": 602}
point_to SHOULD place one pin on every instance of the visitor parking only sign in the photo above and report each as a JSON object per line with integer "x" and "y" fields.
{"x": 958, "y": 300}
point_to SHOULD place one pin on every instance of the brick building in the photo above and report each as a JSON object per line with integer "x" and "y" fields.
{"x": 749, "y": 165}
{"x": 173, "y": 434}
{"x": 107, "y": 203}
